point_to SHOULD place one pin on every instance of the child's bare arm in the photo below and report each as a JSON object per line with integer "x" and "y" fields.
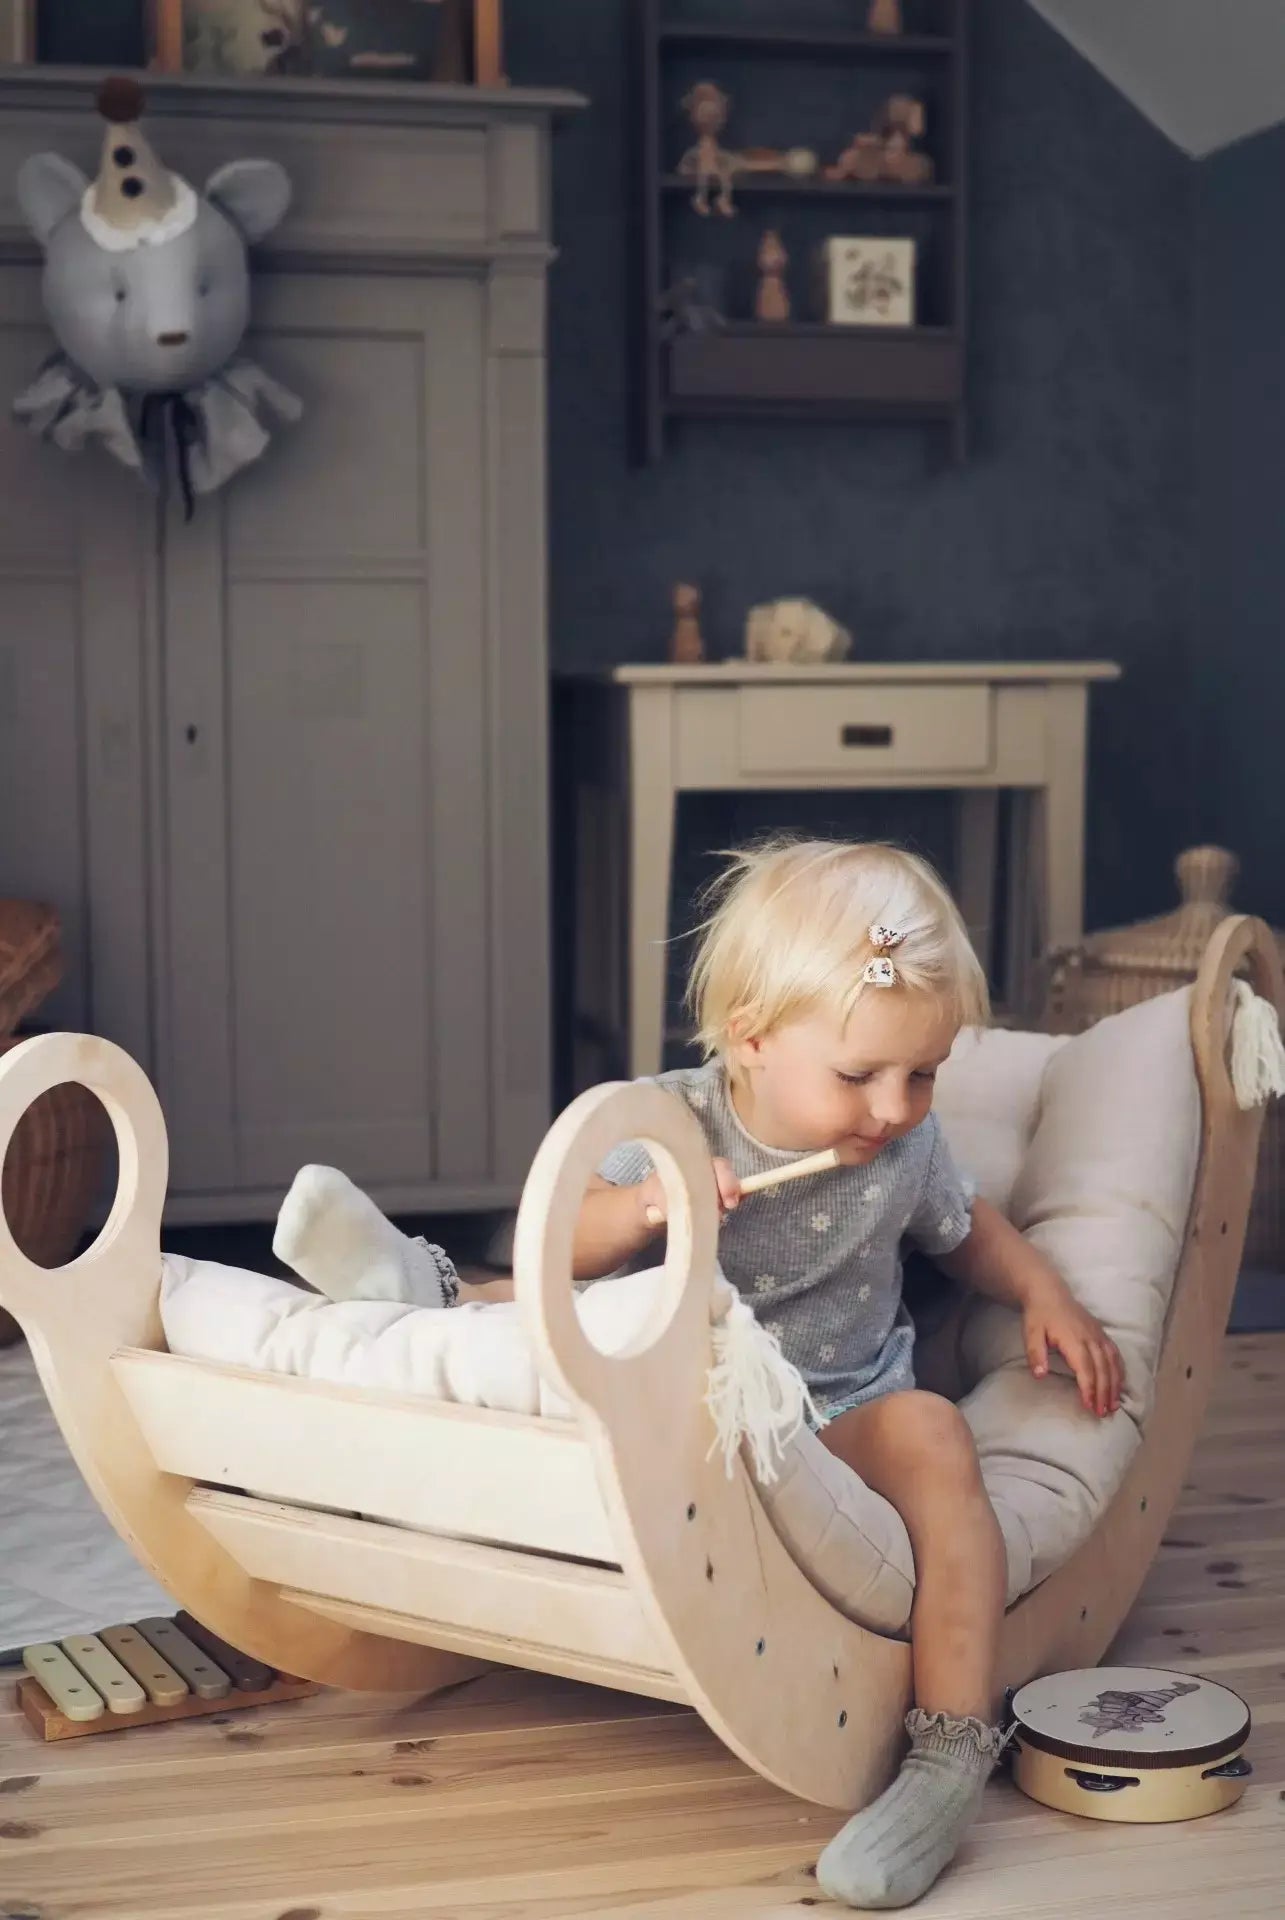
{"x": 618, "y": 1222}
{"x": 613, "y": 1226}
{"x": 996, "y": 1260}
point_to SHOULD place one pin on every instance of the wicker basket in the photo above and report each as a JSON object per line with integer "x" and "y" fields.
{"x": 51, "y": 1177}
{"x": 1114, "y": 970}
{"x": 30, "y": 959}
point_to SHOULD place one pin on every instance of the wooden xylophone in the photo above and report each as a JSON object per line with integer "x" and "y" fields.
{"x": 141, "y": 1674}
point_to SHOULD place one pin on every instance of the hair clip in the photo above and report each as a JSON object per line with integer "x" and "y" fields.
{"x": 880, "y": 971}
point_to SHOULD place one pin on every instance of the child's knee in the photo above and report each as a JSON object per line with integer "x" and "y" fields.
{"x": 930, "y": 1433}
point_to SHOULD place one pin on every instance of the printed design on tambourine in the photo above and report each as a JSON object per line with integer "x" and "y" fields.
{"x": 1123, "y": 1711}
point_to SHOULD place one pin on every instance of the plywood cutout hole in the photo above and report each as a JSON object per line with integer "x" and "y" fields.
{"x": 64, "y": 1134}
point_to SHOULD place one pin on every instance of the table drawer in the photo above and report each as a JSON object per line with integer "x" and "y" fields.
{"x": 866, "y": 729}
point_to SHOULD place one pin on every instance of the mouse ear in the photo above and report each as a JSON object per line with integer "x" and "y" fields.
{"x": 48, "y": 189}
{"x": 254, "y": 194}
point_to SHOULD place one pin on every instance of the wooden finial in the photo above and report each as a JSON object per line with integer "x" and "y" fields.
{"x": 1206, "y": 875}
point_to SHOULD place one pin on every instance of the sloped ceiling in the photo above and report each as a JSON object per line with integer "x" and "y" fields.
{"x": 1207, "y": 72}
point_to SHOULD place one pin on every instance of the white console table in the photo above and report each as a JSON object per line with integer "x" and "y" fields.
{"x": 640, "y": 736}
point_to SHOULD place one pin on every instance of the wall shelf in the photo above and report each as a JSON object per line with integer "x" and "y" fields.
{"x": 889, "y": 192}
{"x": 839, "y": 74}
{"x": 873, "y": 372}
{"x": 713, "y": 37}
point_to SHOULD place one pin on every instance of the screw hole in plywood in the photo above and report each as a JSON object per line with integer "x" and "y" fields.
{"x": 760, "y": 1646}
{"x": 843, "y": 1717}
{"x": 691, "y": 1511}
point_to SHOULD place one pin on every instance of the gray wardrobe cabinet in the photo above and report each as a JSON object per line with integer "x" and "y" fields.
{"x": 283, "y": 768}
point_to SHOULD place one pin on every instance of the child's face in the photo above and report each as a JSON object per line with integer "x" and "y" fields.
{"x": 812, "y": 1084}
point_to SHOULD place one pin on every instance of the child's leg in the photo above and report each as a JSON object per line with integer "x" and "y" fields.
{"x": 334, "y": 1237}
{"x": 916, "y": 1450}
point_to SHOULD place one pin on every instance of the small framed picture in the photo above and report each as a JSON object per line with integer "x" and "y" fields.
{"x": 444, "y": 40}
{"x": 870, "y": 282}
{"x": 17, "y": 33}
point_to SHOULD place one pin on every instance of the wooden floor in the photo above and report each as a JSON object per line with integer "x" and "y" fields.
{"x": 520, "y": 1797}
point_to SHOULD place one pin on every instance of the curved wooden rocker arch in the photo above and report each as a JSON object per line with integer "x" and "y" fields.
{"x": 383, "y": 1543}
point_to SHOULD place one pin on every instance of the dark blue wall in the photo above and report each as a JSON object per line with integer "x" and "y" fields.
{"x": 1069, "y": 530}
{"x": 1239, "y": 649}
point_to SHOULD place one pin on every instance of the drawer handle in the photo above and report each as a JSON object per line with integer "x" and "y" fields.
{"x": 866, "y": 736}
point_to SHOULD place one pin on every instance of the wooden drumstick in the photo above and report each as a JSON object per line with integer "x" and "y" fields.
{"x": 774, "y": 1177}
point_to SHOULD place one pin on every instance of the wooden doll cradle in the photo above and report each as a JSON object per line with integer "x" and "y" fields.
{"x": 612, "y": 1549}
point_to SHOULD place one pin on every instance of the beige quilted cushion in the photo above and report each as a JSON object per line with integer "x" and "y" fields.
{"x": 1091, "y": 1145}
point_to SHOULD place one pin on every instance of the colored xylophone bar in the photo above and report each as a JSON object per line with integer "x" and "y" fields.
{"x": 140, "y": 1675}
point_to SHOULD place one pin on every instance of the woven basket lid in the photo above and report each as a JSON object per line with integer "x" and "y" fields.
{"x": 1174, "y": 942}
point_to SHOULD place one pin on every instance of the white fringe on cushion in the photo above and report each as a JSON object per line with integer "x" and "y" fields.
{"x": 1257, "y": 1055}
{"x": 753, "y": 1392}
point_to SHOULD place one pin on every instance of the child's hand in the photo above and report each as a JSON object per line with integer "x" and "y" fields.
{"x": 651, "y": 1194}
{"x": 1053, "y": 1317}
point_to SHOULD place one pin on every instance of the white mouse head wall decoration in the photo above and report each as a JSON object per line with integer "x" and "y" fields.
{"x": 147, "y": 289}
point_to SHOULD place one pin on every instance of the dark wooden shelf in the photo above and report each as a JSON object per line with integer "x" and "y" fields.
{"x": 751, "y": 369}
{"x": 891, "y": 192}
{"x": 693, "y": 36}
{"x": 800, "y": 371}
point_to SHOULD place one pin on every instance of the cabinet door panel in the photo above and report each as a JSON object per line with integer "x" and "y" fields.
{"x": 74, "y": 541}
{"x": 327, "y": 826}
{"x": 328, "y": 808}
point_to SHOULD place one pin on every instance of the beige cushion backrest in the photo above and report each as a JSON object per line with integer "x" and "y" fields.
{"x": 988, "y": 1098}
{"x": 1106, "y": 1186}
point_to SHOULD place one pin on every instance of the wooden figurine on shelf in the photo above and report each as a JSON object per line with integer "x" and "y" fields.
{"x": 686, "y": 648}
{"x": 772, "y": 299}
{"x": 708, "y": 163}
{"x": 900, "y": 123}
{"x": 861, "y": 159}
{"x": 884, "y": 17}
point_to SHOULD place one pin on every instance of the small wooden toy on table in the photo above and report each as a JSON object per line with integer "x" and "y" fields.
{"x": 141, "y": 1674}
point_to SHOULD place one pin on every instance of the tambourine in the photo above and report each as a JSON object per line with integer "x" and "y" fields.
{"x": 1130, "y": 1743}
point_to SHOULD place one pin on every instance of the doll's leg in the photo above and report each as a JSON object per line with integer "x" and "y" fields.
{"x": 917, "y": 1451}
{"x": 334, "y": 1237}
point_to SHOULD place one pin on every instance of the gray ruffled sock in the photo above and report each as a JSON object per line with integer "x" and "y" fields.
{"x": 889, "y": 1855}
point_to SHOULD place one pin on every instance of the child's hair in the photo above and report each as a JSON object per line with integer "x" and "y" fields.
{"x": 787, "y": 935}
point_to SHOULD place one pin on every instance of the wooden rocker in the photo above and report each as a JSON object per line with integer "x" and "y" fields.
{"x": 611, "y": 1548}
